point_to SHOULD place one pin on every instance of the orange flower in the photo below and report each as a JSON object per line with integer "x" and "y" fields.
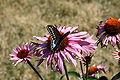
{"x": 110, "y": 31}
{"x": 112, "y": 26}
{"x": 95, "y": 69}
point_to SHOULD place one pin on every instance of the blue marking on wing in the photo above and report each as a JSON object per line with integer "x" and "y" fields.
{"x": 53, "y": 44}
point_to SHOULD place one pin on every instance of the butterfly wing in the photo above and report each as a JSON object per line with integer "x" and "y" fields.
{"x": 55, "y": 34}
{"x": 60, "y": 40}
{"x": 65, "y": 35}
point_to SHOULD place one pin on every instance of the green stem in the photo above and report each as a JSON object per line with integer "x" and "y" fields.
{"x": 82, "y": 70}
{"x": 34, "y": 69}
{"x": 65, "y": 70}
{"x": 86, "y": 71}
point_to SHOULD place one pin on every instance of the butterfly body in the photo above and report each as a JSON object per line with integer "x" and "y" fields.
{"x": 56, "y": 37}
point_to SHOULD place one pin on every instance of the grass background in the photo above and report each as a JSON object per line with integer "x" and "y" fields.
{"x": 22, "y": 19}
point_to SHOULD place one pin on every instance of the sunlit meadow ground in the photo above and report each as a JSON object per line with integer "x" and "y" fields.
{"x": 22, "y": 19}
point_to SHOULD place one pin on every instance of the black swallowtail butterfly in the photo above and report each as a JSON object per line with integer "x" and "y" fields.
{"x": 56, "y": 37}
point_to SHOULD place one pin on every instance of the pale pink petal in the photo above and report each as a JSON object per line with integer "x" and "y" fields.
{"x": 20, "y": 60}
{"x": 73, "y": 29}
{"x": 80, "y": 47}
{"x": 74, "y": 51}
{"x": 24, "y": 47}
{"x": 68, "y": 29}
{"x": 90, "y": 40}
{"x": 105, "y": 42}
{"x": 13, "y": 54}
{"x": 59, "y": 65}
{"x": 41, "y": 38}
{"x": 110, "y": 38}
{"x": 63, "y": 29}
{"x": 48, "y": 61}
{"x": 77, "y": 34}
{"x": 60, "y": 28}
{"x": 113, "y": 41}
{"x": 17, "y": 49}
{"x": 63, "y": 54}
{"x": 71, "y": 58}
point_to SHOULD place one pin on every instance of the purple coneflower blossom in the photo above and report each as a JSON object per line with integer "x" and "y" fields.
{"x": 70, "y": 46}
{"x": 21, "y": 54}
{"x": 117, "y": 55}
{"x": 110, "y": 32}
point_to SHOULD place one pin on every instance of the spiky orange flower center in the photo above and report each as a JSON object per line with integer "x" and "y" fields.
{"x": 22, "y": 53}
{"x": 112, "y": 26}
{"x": 92, "y": 70}
{"x": 63, "y": 43}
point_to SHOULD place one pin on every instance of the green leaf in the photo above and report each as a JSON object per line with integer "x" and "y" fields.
{"x": 89, "y": 78}
{"x": 117, "y": 76}
{"x": 71, "y": 73}
{"x": 75, "y": 74}
{"x": 92, "y": 78}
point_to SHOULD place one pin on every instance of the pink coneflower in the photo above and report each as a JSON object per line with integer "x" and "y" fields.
{"x": 21, "y": 54}
{"x": 70, "y": 46}
{"x": 117, "y": 55}
{"x": 111, "y": 32}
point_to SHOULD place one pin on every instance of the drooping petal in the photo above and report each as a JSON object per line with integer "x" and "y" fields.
{"x": 64, "y": 55}
{"x": 18, "y": 61}
{"x": 113, "y": 41}
{"x": 101, "y": 38}
{"x": 71, "y": 58}
{"x": 59, "y": 66}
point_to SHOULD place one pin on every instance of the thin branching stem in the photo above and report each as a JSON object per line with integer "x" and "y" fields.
{"x": 66, "y": 73}
{"x": 34, "y": 69}
{"x": 86, "y": 71}
{"x": 82, "y": 70}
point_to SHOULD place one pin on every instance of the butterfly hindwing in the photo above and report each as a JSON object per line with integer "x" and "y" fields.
{"x": 60, "y": 40}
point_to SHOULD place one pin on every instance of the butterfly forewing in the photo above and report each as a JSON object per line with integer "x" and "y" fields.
{"x": 55, "y": 34}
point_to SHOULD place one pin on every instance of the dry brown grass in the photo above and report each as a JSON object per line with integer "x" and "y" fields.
{"x": 21, "y": 19}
